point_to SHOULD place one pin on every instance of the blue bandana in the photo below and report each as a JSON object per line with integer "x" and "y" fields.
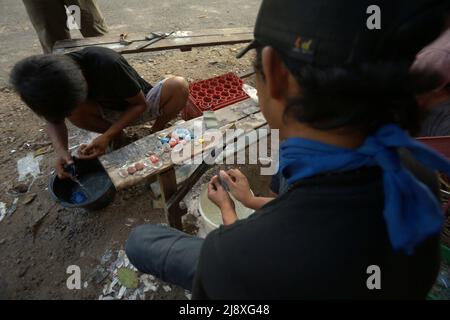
{"x": 411, "y": 211}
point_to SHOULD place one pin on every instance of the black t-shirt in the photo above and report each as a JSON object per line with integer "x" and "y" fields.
{"x": 316, "y": 241}
{"x": 111, "y": 80}
{"x": 278, "y": 184}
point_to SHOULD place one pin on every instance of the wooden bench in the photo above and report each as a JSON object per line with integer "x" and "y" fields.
{"x": 182, "y": 40}
{"x": 244, "y": 115}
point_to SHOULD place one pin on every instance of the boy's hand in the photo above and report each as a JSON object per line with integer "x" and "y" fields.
{"x": 238, "y": 184}
{"x": 61, "y": 162}
{"x": 221, "y": 198}
{"x": 95, "y": 149}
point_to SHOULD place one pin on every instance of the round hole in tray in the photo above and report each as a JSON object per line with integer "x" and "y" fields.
{"x": 227, "y": 86}
{"x": 221, "y": 81}
{"x": 207, "y": 99}
{"x": 201, "y": 94}
{"x": 233, "y": 91}
{"x": 219, "y": 89}
{"x": 224, "y": 94}
{"x": 205, "y": 86}
{"x": 216, "y": 97}
{"x": 210, "y": 91}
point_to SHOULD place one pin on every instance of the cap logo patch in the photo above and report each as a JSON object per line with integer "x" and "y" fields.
{"x": 304, "y": 46}
{"x": 298, "y": 42}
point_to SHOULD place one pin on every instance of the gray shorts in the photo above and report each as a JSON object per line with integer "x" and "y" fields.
{"x": 153, "y": 99}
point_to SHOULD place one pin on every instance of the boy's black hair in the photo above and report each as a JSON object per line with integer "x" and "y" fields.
{"x": 51, "y": 85}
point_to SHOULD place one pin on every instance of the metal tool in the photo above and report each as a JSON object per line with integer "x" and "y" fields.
{"x": 153, "y": 37}
{"x": 71, "y": 170}
{"x": 222, "y": 182}
{"x": 123, "y": 40}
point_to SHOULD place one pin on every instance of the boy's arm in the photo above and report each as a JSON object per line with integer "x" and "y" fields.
{"x": 137, "y": 106}
{"x": 59, "y": 137}
{"x": 256, "y": 203}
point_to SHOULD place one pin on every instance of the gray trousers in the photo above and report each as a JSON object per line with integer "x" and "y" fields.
{"x": 49, "y": 19}
{"x": 164, "y": 252}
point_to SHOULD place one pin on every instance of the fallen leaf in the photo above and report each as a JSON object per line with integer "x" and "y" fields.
{"x": 43, "y": 150}
{"x": 29, "y": 198}
{"x": 128, "y": 278}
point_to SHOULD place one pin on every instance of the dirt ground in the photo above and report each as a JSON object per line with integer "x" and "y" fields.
{"x": 40, "y": 239}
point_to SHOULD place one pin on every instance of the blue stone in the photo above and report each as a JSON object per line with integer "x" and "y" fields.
{"x": 78, "y": 197}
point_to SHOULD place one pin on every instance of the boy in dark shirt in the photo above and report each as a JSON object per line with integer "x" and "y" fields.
{"x": 360, "y": 218}
{"x": 96, "y": 90}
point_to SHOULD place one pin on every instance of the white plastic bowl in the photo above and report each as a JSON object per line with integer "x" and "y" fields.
{"x": 211, "y": 213}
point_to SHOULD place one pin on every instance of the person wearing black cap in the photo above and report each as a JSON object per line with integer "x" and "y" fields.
{"x": 360, "y": 218}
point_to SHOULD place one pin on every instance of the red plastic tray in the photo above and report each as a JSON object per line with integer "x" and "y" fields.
{"x": 213, "y": 94}
{"x": 439, "y": 144}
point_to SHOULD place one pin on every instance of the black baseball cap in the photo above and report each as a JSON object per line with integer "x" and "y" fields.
{"x": 336, "y": 32}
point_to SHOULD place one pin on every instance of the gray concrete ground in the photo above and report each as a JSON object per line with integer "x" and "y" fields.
{"x": 18, "y": 39}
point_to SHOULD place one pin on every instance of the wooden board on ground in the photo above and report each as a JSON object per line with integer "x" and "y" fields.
{"x": 245, "y": 115}
{"x": 183, "y": 40}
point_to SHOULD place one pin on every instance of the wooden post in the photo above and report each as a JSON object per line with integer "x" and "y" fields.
{"x": 168, "y": 184}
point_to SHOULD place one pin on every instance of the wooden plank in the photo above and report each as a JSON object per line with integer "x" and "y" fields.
{"x": 168, "y": 184}
{"x": 245, "y": 125}
{"x": 183, "y": 40}
{"x": 246, "y": 74}
{"x": 137, "y": 151}
{"x": 140, "y": 37}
